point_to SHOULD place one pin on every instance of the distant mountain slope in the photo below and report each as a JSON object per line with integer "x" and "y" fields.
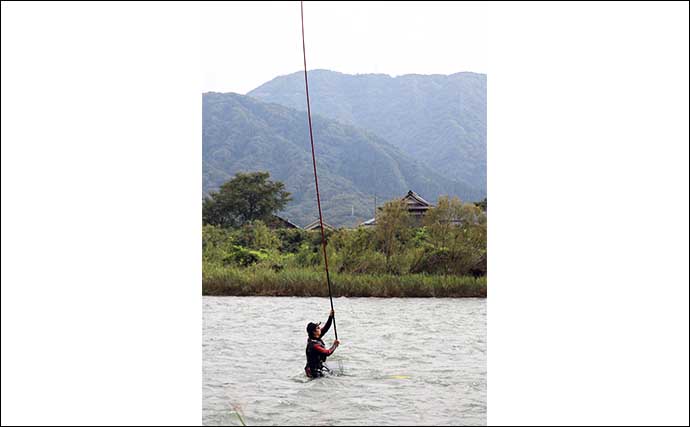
{"x": 243, "y": 134}
{"x": 438, "y": 119}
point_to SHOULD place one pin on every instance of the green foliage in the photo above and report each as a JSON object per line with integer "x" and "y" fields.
{"x": 314, "y": 236}
{"x": 432, "y": 260}
{"x": 215, "y": 237}
{"x": 443, "y": 258}
{"x": 307, "y": 255}
{"x": 256, "y": 235}
{"x": 216, "y": 242}
{"x": 291, "y": 239}
{"x": 224, "y": 246}
{"x": 457, "y": 239}
{"x": 243, "y": 257}
{"x": 452, "y": 242}
{"x": 354, "y": 249}
{"x": 246, "y": 197}
{"x": 393, "y": 230}
{"x": 219, "y": 280}
{"x": 420, "y": 237}
{"x": 481, "y": 205}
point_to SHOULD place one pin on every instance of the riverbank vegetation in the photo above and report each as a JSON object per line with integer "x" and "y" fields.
{"x": 444, "y": 255}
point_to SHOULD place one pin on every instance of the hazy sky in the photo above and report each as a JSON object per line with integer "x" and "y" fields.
{"x": 245, "y": 44}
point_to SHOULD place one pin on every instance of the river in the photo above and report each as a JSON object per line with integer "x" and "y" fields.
{"x": 411, "y": 361}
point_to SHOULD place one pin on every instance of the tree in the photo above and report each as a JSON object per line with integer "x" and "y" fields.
{"x": 256, "y": 235}
{"x": 440, "y": 220}
{"x": 481, "y": 205}
{"x": 450, "y": 217}
{"x": 393, "y": 228}
{"x": 458, "y": 233}
{"x": 246, "y": 197}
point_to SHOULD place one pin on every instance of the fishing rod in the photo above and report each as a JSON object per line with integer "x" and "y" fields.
{"x": 316, "y": 178}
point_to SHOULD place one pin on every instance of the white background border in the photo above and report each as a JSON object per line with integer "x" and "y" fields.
{"x": 588, "y": 189}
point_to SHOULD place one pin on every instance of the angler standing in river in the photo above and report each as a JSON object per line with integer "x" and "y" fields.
{"x": 316, "y": 349}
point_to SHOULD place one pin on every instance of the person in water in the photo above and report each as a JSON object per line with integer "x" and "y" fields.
{"x": 316, "y": 349}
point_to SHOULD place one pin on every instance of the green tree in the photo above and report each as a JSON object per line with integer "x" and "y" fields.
{"x": 256, "y": 235}
{"x": 215, "y": 242}
{"x": 449, "y": 217}
{"x": 246, "y": 197}
{"x": 393, "y": 228}
{"x": 458, "y": 234}
{"x": 481, "y": 205}
{"x": 440, "y": 220}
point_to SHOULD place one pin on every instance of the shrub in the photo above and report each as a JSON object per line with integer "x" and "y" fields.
{"x": 291, "y": 239}
{"x": 243, "y": 257}
{"x": 256, "y": 235}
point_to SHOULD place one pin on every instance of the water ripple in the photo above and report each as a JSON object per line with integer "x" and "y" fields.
{"x": 401, "y": 362}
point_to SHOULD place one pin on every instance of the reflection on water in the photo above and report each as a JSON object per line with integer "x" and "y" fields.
{"x": 401, "y": 361}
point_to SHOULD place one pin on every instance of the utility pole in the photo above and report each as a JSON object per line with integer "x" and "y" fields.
{"x": 374, "y": 208}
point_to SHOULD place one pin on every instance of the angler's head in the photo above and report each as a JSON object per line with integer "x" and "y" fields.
{"x": 314, "y": 330}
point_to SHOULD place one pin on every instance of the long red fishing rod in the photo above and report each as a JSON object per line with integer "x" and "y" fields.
{"x": 316, "y": 178}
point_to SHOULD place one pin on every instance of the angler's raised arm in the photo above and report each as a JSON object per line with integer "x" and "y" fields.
{"x": 327, "y": 326}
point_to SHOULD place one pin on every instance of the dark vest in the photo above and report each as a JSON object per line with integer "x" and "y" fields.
{"x": 314, "y": 358}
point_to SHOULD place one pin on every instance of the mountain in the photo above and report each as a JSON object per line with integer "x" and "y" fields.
{"x": 241, "y": 133}
{"x": 438, "y": 119}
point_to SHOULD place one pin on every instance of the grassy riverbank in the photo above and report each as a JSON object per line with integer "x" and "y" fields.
{"x": 230, "y": 281}
{"x": 444, "y": 257}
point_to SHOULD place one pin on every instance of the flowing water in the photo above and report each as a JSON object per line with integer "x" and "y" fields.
{"x": 401, "y": 362}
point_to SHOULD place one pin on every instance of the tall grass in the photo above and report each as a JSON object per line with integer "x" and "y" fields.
{"x": 304, "y": 282}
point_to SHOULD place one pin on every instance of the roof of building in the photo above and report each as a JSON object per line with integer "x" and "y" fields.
{"x": 278, "y": 221}
{"x": 415, "y": 198}
{"x": 368, "y": 222}
{"x": 415, "y": 202}
{"x": 315, "y": 225}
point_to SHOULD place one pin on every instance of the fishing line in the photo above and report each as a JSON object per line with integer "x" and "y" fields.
{"x": 316, "y": 178}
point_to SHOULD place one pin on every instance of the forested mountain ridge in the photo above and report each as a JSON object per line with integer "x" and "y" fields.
{"x": 241, "y": 133}
{"x": 437, "y": 119}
